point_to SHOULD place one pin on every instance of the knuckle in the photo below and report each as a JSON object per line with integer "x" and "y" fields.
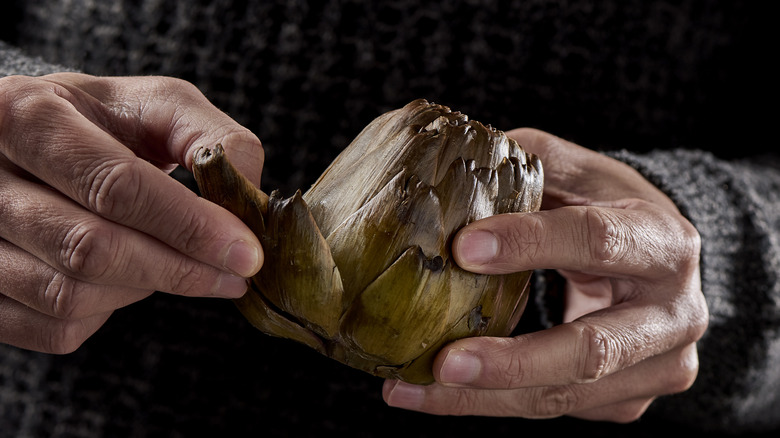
{"x": 86, "y": 251}
{"x": 61, "y": 296}
{"x": 684, "y": 373}
{"x": 680, "y": 247}
{"x": 174, "y": 86}
{"x": 189, "y": 235}
{"x": 609, "y": 242}
{"x": 596, "y": 354}
{"x": 114, "y": 189}
{"x": 189, "y": 279}
{"x": 689, "y": 247}
{"x": 9, "y": 87}
{"x": 178, "y": 92}
{"x": 14, "y": 87}
{"x": 554, "y": 401}
{"x": 692, "y": 312}
{"x": 24, "y": 99}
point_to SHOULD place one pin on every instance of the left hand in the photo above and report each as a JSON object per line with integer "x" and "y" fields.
{"x": 634, "y": 307}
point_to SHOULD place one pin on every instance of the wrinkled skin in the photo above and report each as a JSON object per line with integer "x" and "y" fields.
{"x": 634, "y": 307}
{"x": 89, "y": 219}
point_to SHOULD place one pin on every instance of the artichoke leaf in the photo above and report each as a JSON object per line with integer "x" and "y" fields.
{"x": 264, "y": 318}
{"x": 404, "y": 213}
{"x": 221, "y": 183}
{"x": 299, "y": 275}
{"x": 403, "y": 312}
{"x": 367, "y": 164}
{"x": 503, "y": 302}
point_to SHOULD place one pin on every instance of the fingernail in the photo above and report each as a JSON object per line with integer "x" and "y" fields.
{"x": 459, "y": 367}
{"x": 242, "y": 259}
{"x": 405, "y": 395}
{"x": 230, "y": 286}
{"x": 478, "y": 247}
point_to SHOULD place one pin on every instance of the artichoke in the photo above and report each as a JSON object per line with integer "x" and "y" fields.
{"x": 359, "y": 267}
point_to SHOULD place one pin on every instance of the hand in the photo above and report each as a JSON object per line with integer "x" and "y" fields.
{"x": 89, "y": 220}
{"x": 634, "y": 308}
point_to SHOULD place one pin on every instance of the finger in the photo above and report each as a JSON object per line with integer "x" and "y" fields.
{"x": 162, "y": 119}
{"x": 91, "y": 167}
{"x": 666, "y": 374}
{"x": 26, "y": 328}
{"x": 640, "y": 241}
{"x": 586, "y": 350}
{"x": 574, "y": 175}
{"x": 89, "y": 248}
{"x": 28, "y": 280}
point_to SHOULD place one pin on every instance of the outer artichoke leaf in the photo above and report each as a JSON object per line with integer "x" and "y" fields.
{"x": 333, "y": 201}
{"x": 467, "y": 193}
{"x": 378, "y": 153}
{"x": 403, "y": 312}
{"x": 529, "y": 181}
{"x": 420, "y": 370}
{"x": 483, "y": 200}
{"x": 470, "y": 318}
{"x": 299, "y": 275}
{"x": 406, "y": 121}
{"x": 404, "y": 213}
{"x": 388, "y": 144}
{"x": 257, "y": 311}
{"x": 508, "y": 200}
{"x": 456, "y": 142}
{"x": 220, "y": 182}
{"x": 455, "y": 191}
{"x": 503, "y": 302}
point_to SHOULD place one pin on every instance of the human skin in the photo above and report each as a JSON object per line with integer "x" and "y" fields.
{"x": 89, "y": 219}
{"x": 633, "y": 312}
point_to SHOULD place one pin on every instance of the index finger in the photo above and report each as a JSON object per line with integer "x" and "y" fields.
{"x": 87, "y": 164}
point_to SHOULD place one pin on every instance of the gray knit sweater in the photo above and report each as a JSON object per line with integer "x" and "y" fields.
{"x": 663, "y": 86}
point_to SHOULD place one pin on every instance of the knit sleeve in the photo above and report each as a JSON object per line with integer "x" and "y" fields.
{"x": 735, "y": 205}
{"x": 14, "y": 62}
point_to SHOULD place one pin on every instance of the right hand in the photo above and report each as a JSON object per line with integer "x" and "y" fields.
{"x": 89, "y": 219}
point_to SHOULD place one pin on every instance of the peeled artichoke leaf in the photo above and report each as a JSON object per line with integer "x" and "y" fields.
{"x": 220, "y": 182}
{"x": 264, "y": 318}
{"x": 299, "y": 275}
